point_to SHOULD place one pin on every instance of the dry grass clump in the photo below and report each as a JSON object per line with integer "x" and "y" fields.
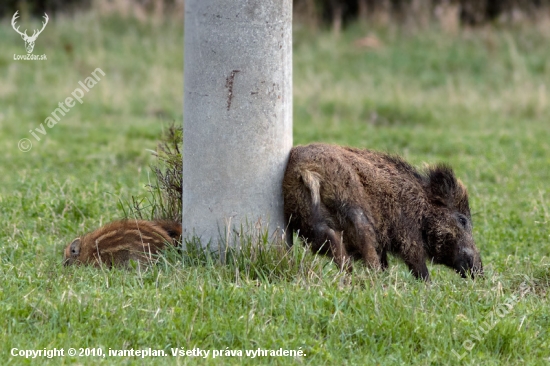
{"x": 163, "y": 199}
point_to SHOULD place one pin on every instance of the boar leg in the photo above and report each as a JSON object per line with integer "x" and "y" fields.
{"x": 323, "y": 234}
{"x": 384, "y": 259}
{"x": 416, "y": 260}
{"x": 366, "y": 238}
{"x": 319, "y": 223}
{"x": 370, "y": 257}
{"x": 288, "y": 233}
{"x": 420, "y": 270}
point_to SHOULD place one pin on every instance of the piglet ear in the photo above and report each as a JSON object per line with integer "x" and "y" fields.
{"x": 442, "y": 186}
{"x": 74, "y": 248}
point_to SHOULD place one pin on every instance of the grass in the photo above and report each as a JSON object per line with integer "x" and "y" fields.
{"x": 477, "y": 100}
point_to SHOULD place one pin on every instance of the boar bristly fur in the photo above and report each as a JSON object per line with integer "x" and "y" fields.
{"x": 361, "y": 204}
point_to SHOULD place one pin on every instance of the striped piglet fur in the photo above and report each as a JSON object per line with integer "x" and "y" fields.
{"x": 118, "y": 242}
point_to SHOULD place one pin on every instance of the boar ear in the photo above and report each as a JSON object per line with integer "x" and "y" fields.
{"x": 461, "y": 198}
{"x": 443, "y": 187}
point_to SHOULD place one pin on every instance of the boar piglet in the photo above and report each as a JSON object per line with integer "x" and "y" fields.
{"x": 118, "y": 242}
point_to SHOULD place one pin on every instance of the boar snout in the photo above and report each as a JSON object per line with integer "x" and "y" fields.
{"x": 469, "y": 261}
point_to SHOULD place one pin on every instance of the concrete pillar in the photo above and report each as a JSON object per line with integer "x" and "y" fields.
{"x": 237, "y": 129}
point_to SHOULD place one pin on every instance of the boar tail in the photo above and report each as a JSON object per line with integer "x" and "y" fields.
{"x": 312, "y": 181}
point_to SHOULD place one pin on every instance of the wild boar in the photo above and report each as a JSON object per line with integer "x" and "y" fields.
{"x": 118, "y": 242}
{"x": 362, "y": 204}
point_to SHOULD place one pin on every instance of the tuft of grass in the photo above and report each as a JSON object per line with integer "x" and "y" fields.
{"x": 163, "y": 198}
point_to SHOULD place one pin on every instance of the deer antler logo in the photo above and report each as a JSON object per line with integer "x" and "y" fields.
{"x": 29, "y": 41}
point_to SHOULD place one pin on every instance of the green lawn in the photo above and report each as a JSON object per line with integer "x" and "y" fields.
{"x": 478, "y": 100}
